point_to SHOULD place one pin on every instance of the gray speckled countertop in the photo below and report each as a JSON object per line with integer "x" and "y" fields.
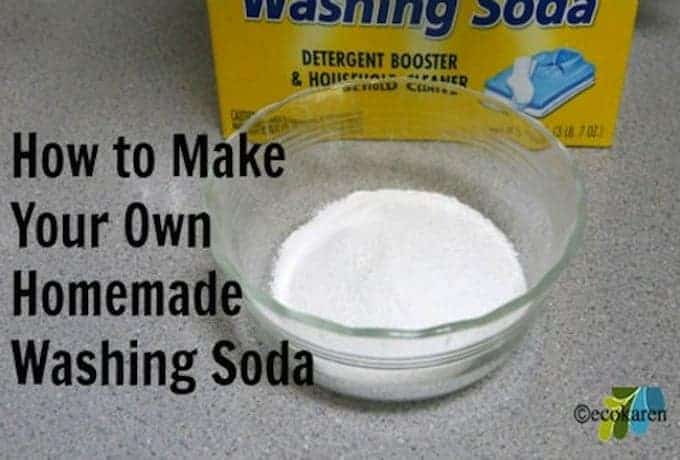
{"x": 87, "y": 71}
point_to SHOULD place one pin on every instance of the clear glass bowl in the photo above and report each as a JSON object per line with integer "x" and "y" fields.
{"x": 403, "y": 134}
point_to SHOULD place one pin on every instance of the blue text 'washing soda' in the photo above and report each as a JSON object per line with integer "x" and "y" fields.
{"x": 437, "y": 17}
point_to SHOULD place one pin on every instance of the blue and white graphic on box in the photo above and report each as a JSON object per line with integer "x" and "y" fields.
{"x": 540, "y": 84}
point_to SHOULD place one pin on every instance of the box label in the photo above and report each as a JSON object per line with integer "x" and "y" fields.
{"x": 560, "y": 61}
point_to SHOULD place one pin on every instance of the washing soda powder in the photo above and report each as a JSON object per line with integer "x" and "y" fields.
{"x": 397, "y": 259}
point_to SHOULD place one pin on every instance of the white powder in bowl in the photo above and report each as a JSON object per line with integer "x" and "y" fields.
{"x": 397, "y": 259}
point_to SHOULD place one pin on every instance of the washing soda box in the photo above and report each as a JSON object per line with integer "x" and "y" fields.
{"x": 562, "y": 62}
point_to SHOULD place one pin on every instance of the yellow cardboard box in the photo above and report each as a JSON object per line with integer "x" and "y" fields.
{"x": 561, "y": 61}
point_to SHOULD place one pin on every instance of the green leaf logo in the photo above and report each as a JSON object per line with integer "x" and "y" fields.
{"x": 626, "y": 410}
{"x": 618, "y": 405}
